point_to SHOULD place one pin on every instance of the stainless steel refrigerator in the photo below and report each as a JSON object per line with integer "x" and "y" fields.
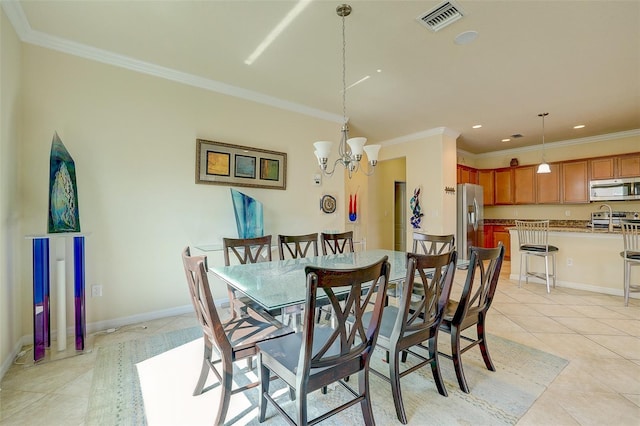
{"x": 470, "y": 221}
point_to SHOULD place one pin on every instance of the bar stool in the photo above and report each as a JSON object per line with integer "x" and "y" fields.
{"x": 533, "y": 236}
{"x": 631, "y": 255}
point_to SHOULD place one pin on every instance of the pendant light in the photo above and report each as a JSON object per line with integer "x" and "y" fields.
{"x": 544, "y": 166}
{"x": 350, "y": 150}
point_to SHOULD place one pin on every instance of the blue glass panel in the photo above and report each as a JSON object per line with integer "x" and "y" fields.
{"x": 248, "y": 211}
{"x": 63, "y": 191}
{"x": 78, "y": 268}
{"x": 41, "y": 334}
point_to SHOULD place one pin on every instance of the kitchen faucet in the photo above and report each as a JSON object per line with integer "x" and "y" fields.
{"x": 610, "y": 216}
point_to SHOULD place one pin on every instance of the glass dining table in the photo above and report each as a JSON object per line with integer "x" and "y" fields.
{"x": 282, "y": 283}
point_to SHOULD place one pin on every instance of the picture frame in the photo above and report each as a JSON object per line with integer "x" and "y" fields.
{"x": 219, "y": 163}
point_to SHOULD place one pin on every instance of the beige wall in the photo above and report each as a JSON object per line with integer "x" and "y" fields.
{"x": 10, "y": 206}
{"x": 133, "y": 140}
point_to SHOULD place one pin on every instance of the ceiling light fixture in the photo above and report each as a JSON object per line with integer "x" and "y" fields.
{"x": 579, "y": 126}
{"x": 350, "y": 149}
{"x": 543, "y": 167}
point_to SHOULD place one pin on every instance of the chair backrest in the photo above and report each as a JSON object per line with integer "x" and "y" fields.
{"x": 631, "y": 237}
{"x": 533, "y": 233}
{"x": 343, "y": 344}
{"x": 202, "y": 300}
{"x": 247, "y": 250}
{"x": 296, "y": 246}
{"x": 433, "y": 244}
{"x": 337, "y": 243}
{"x": 436, "y": 272}
{"x": 481, "y": 281}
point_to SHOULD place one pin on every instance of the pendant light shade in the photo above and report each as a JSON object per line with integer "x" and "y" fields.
{"x": 544, "y": 166}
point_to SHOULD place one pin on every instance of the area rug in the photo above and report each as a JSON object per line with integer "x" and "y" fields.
{"x": 151, "y": 382}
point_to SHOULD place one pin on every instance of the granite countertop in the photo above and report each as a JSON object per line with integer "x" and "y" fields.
{"x": 559, "y": 226}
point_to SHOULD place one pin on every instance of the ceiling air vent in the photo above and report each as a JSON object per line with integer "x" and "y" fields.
{"x": 441, "y": 16}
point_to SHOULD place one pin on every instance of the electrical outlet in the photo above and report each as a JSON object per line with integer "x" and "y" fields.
{"x": 569, "y": 261}
{"x": 567, "y": 213}
{"x": 96, "y": 291}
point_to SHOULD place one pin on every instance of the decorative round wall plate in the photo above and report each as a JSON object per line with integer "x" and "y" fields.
{"x": 328, "y": 204}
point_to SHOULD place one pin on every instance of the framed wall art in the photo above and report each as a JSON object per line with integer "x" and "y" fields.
{"x": 219, "y": 163}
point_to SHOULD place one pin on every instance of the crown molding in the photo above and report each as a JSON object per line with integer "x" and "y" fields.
{"x": 18, "y": 19}
{"x": 445, "y": 131}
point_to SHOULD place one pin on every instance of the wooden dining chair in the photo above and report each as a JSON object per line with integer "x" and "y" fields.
{"x": 244, "y": 250}
{"x": 319, "y": 356}
{"x": 233, "y": 339}
{"x": 296, "y": 247}
{"x": 471, "y": 309}
{"x": 407, "y": 327}
{"x": 335, "y": 243}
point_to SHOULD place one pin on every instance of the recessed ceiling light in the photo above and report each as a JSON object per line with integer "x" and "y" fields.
{"x": 379, "y": 70}
{"x": 579, "y": 126}
{"x": 506, "y": 140}
{"x": 466, "y": 37}
{"x": 477, "y": 126}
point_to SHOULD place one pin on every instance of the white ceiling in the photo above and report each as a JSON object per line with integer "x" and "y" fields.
{"x": 577, "y": 60}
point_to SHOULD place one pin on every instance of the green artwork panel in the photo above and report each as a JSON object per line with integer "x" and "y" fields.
{"x": 63, "y": 191}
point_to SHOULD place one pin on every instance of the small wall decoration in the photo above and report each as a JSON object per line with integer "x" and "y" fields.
{"x": 63, "y": 191}
{"x": 220, "y": 163}
{"x": 414, "y": 203}
{"x": 328, "y": 204}
{"x": 353, "y": 206}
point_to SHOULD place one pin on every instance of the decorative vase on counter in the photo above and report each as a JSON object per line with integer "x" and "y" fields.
{"x": 514, "y": 162}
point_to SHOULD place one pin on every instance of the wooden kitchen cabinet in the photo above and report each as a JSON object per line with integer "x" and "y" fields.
{"x": 574, "y": 182}
{"x": 524, "y": 183}
{"x": 629, "y": 166}
{"x": 548, "y": 186}
{"x": 503, "y": 186}
{"x": 466, "y": 174}
{"x": 501, "y": 235}
{"x": 486, "y": 179}
{"x": 621, "y": 166}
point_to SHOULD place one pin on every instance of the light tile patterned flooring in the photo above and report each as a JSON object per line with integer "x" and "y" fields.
{"x": 596, "y": 333}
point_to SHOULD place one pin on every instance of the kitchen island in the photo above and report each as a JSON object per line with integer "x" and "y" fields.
{"x": 587, "y": 259}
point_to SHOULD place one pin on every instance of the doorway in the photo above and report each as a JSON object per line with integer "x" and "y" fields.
{"x": 400, "y": 216}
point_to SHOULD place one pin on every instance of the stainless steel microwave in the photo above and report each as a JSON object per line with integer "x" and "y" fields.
{"x": 614, "y": 189}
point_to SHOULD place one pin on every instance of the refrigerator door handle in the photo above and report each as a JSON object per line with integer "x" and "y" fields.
{"x": 473, "y": 215}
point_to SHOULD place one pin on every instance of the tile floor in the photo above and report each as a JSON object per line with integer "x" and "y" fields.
{"x": 595, "y": 332}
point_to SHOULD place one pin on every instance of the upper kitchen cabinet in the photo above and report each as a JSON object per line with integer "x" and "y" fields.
{"x": 524, "y": 183}
{"x": 467, "y": 174}
{"x": 486, "y": 179}
{"x": 548, "y": 186}
{"x": 504, "y": 186}
{"x": 574, "y": 180}
{"x": 615, "y": 167}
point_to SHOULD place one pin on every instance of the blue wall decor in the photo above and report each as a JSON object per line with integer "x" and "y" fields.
{"x": 414, "y": 203}
{"x": 63, "y": 191}
{"x": 248, "y": 211}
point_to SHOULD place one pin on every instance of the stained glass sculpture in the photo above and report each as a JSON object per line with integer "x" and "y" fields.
{"x": 63, "y": 191}
{"x": 248, "y": 211}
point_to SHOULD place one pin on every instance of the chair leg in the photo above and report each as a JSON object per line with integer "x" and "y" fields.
{"x": 301, "y": 406}
{"x": 484, "y": 349}
{"x": 204, "y": 371}
{"x": 546, "y": 272}
{"x": 264, "y": 390}
{"x": 457, "y": 359}
{"x": 520, "y": 273}
{"x": 627, "y": 283}
{"x": 554, "y": 270}
{"x": 225, "y": 387}
{"x": 435, "y": 365}
{"x": 394, "y": 380}
{"x": 365, "y": 404}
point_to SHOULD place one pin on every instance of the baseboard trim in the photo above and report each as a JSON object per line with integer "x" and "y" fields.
{"x": 577, "y": 286}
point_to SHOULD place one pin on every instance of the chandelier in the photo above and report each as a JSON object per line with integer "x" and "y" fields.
{"x": 544, "y": 166}
{"x": 350, "y": 149}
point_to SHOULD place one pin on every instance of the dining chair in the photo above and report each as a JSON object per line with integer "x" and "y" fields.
{"x": 631, "y": 255}
{"x": 431, "y": 244}
{"x": 407, "y": 327}
{"x": 245, "y": 250}
{"x": 533, "y": 237}
{"x": 320, "y": 355}
{"x": 232, "y": 339}
{"x": 336, "y": 243}
{"x": 296, "y": 247}
{"x": 471, "y": 309}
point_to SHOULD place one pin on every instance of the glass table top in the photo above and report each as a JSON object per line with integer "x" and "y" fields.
{"x": 282, "y": 283}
